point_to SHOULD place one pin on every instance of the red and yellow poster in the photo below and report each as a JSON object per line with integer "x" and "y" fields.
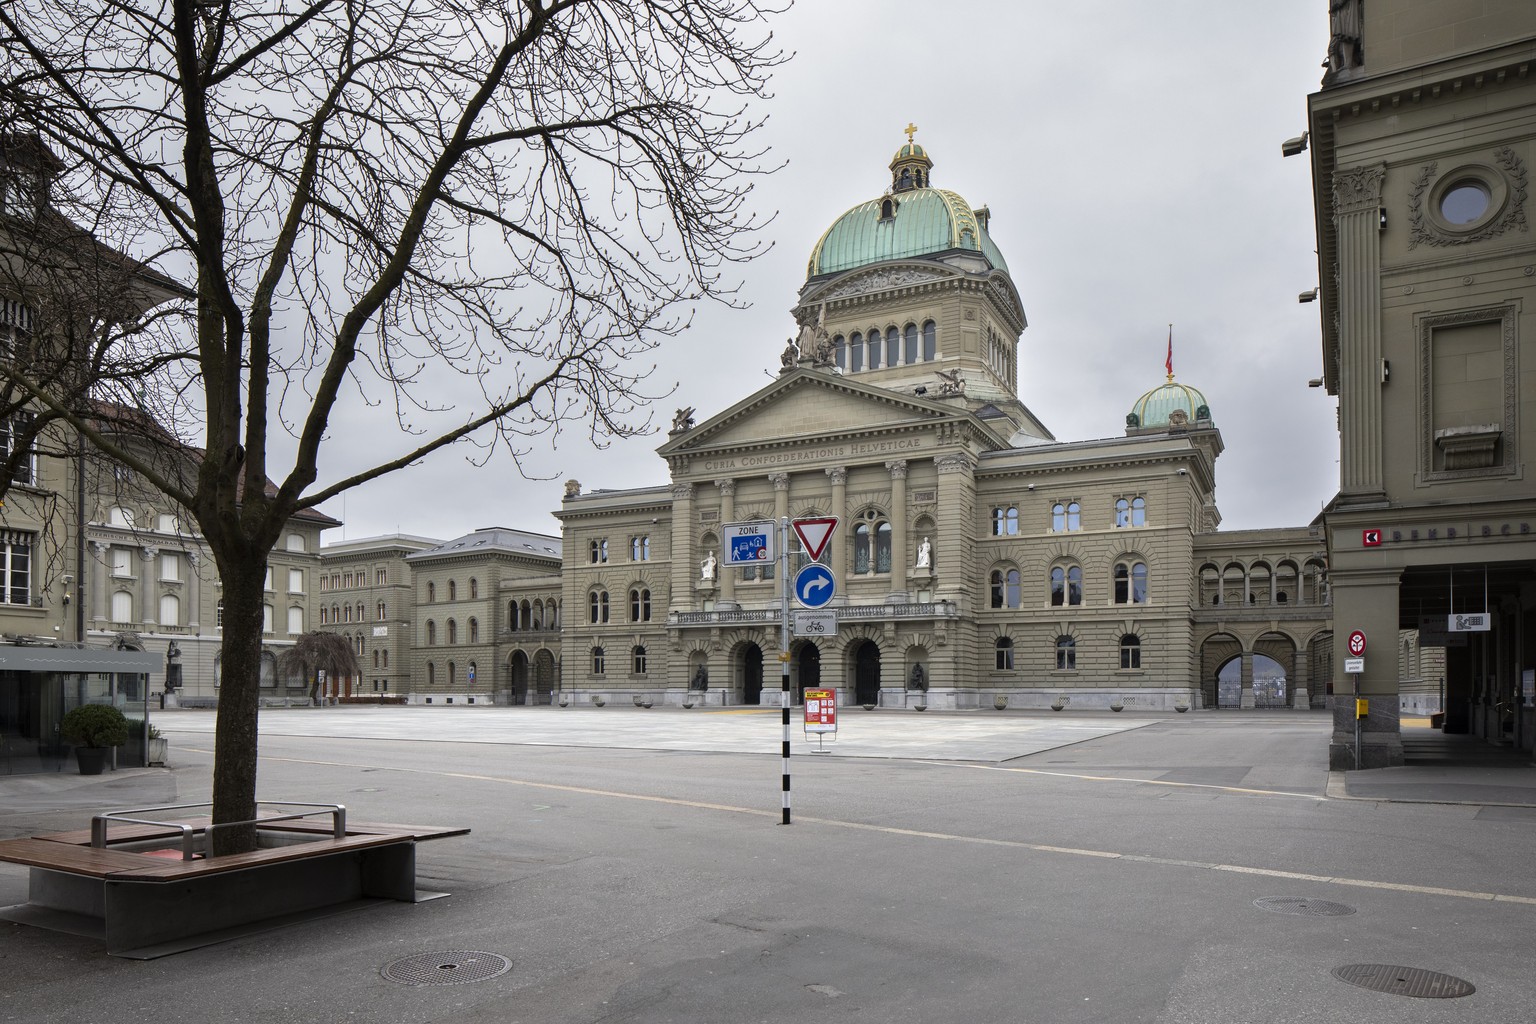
{"x": 820, "y": 711}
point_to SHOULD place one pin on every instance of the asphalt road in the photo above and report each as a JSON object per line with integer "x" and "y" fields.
{"x": 941, "y": 867}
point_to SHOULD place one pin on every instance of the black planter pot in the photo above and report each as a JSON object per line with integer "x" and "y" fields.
{"x": 92, "y": 760}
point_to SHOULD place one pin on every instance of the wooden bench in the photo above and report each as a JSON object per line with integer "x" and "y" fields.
{"x": 145, "y": 903}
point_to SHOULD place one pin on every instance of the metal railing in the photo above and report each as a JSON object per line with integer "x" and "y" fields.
{"x": 99, "y": 822}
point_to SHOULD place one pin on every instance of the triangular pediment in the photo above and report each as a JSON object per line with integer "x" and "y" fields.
{"x": 813, "y": 407}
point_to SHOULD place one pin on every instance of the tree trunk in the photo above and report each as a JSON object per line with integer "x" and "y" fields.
{"x": 234, "y": 762}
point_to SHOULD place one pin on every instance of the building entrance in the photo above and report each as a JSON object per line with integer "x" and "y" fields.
{"x": 810, "y": 671}
{"x": 750, "y": 671}
{"x": 866, "y": 673}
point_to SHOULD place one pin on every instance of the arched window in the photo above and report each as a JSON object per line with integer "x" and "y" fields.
{"x": 325, "y": 615}
{"x": 453, "y": 631}
{"x": 170, "y": 610}
{"x": 871, "y": 544}
{"x": 1005, "y": 588}
{"x": 1130, "y": 512}
{"x": 431, "y": 633}
{"x": 383, "y": 611}
{"x": 1131, "y": 583}
{"x": 930, "y": 341}
{"x": 431, "y": 591}
{"x": 453, "y": 591}
{"x": 335, "y": 614}
{"x": 840, "y": 352}
{"x": 1130, "y": 651}
{"x": 375, "y": 659}
{"x": 892, "y": 346}
{"x": 909, "y": 345}
{"x": 855, "y": 352}
{"x": 474, "y": 631}
{"x": 1066, "y": 585}
{"x": 1066, "y": 653}
{"x": 875, "y": 349}
{"x": 474, "y": 589}
{"x": 1005, "y": 521}
{"x": 362, "y": 614}
{"x": 637, "y": 661}
{"x": 346, "y": 613}
{"x": 887, "y": 209}
{"x": 598, "y": 665}
{"x": 431, "y": 674}
{"x": 1004, "y": 653}
{"x": 640, "y": 605}
{"x": 453, "y": 675}
{"x": 386, "y": 657}
{"x": 597, "y": 606}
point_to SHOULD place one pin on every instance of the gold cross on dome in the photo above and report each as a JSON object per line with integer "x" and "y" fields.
{"x": 910, "y": 129}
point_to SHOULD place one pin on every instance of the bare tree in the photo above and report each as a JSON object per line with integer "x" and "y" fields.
{"x": 330, "y": 652}
{"x": 380, "y": 203}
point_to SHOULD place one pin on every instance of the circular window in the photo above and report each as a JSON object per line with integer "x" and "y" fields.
{"x": 1465, "y": 202}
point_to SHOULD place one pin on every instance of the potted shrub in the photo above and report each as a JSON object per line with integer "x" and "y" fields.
{"x": 93, "y": 728}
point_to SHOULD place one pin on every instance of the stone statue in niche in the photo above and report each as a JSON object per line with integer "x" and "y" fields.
{"x": 700, "y": 680}
{"x": 708, "y": 567}
{"x": 925, "y": 554}
{"x": 918, "y": 680}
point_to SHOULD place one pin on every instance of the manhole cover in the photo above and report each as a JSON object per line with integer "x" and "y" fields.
{"x": 450, "y": 967}
{"x": 1404, "y": 981}
{"x": 1304, "y": 906}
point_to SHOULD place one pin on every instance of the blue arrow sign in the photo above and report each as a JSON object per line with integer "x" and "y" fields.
{"x": 814, "y": 585}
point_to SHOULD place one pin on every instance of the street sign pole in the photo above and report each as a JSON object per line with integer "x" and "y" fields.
{"x": 784, "y": 652}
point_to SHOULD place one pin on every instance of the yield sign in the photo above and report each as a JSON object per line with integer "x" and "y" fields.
{"x": 814, "y": 534}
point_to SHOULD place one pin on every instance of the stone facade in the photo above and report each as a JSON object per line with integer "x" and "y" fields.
{"x": 1421, "y": 141}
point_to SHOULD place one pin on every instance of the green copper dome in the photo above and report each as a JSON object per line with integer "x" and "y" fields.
{"x": 916, "y": 222}
{"x": 1157, "y": 407}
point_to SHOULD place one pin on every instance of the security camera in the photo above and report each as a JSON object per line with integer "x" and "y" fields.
{"x": 1294, "y": 147}
{"x": 68, "y": 578}
{"x": 1183, "y": 472}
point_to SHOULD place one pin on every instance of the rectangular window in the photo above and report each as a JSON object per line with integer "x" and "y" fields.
{"x": 266, "y": 619}
{"x": 380, "y": 578}
{"x": 16, "y": 565}
{"x": 295, "y": 581}
{"x": 266, "y": 582}
{"x": 167, "y": 524}
{"x": 295, "y": 621}
{"x": 122, "y": 562}
{"x": 11, "y": 431}
{"x": 170, "y": 566}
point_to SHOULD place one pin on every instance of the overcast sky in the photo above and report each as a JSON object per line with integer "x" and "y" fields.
{"x": 1130, "y": 154}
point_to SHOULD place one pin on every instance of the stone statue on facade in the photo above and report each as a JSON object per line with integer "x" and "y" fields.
{"x": 707, "y": 569}
{"x": 951, "y": 382}
{"x": 682, "y": 420}
{"x": 572, "y": 488}
{"x": 918, "y": 680}
{"x": 700, "y": 680}
{"x": 814, "y": 340}
{"x": 925, "y": 554}
{"x": 791, "y": 354}
{"x": 1344, "y": 24}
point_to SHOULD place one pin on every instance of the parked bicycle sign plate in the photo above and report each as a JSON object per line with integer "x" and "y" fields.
{"x": 822, "y": 623}
{"x": 748, "y": 543}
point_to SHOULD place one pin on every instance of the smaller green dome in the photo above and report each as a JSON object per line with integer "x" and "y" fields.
{"x": 910, "y": 151}
{"x": 1164, "y": 405}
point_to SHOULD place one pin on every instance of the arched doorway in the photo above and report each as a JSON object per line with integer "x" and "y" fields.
{"x": 809, "y": 678}
{"x": 1270, "y": 685}
{"x": 749, "y": 669}
{"x": 866, "y": 673}
{"x": 543, "y": 678}
{"x": 518, "y": 674}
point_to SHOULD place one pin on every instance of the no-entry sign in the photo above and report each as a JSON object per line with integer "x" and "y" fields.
{"x": 1357, "y": 643}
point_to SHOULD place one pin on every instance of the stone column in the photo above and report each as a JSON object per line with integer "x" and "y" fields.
{"x": 99, "y": 585}
{"x": 149, "y": 613}
{"x": 195, "y": 593}
{"x": 898, "y": 471}
{"x": 1357, "y": 226}
{"x": 956, "y": 528}
{"x": 1245, "y": 695}
{"x": 837, "y": 558}
{"x": 685, "y": 561}
{"x": 780, "y": 483}
{"x": 1366, "y": 599}
{"x": 727, "y": 573}
{"x": 1301, "y": 697}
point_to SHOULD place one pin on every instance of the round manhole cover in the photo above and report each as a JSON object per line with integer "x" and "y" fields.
{"x": 450, "y": 967}
{"x": 1404, "y": 981}
{"x": 1303, "y": 906}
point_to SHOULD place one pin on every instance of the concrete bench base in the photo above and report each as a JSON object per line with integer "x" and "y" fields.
{"x": 143, "y": 906}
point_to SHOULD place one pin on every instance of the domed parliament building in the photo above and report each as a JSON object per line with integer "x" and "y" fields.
{"x": 978, "y": 559}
